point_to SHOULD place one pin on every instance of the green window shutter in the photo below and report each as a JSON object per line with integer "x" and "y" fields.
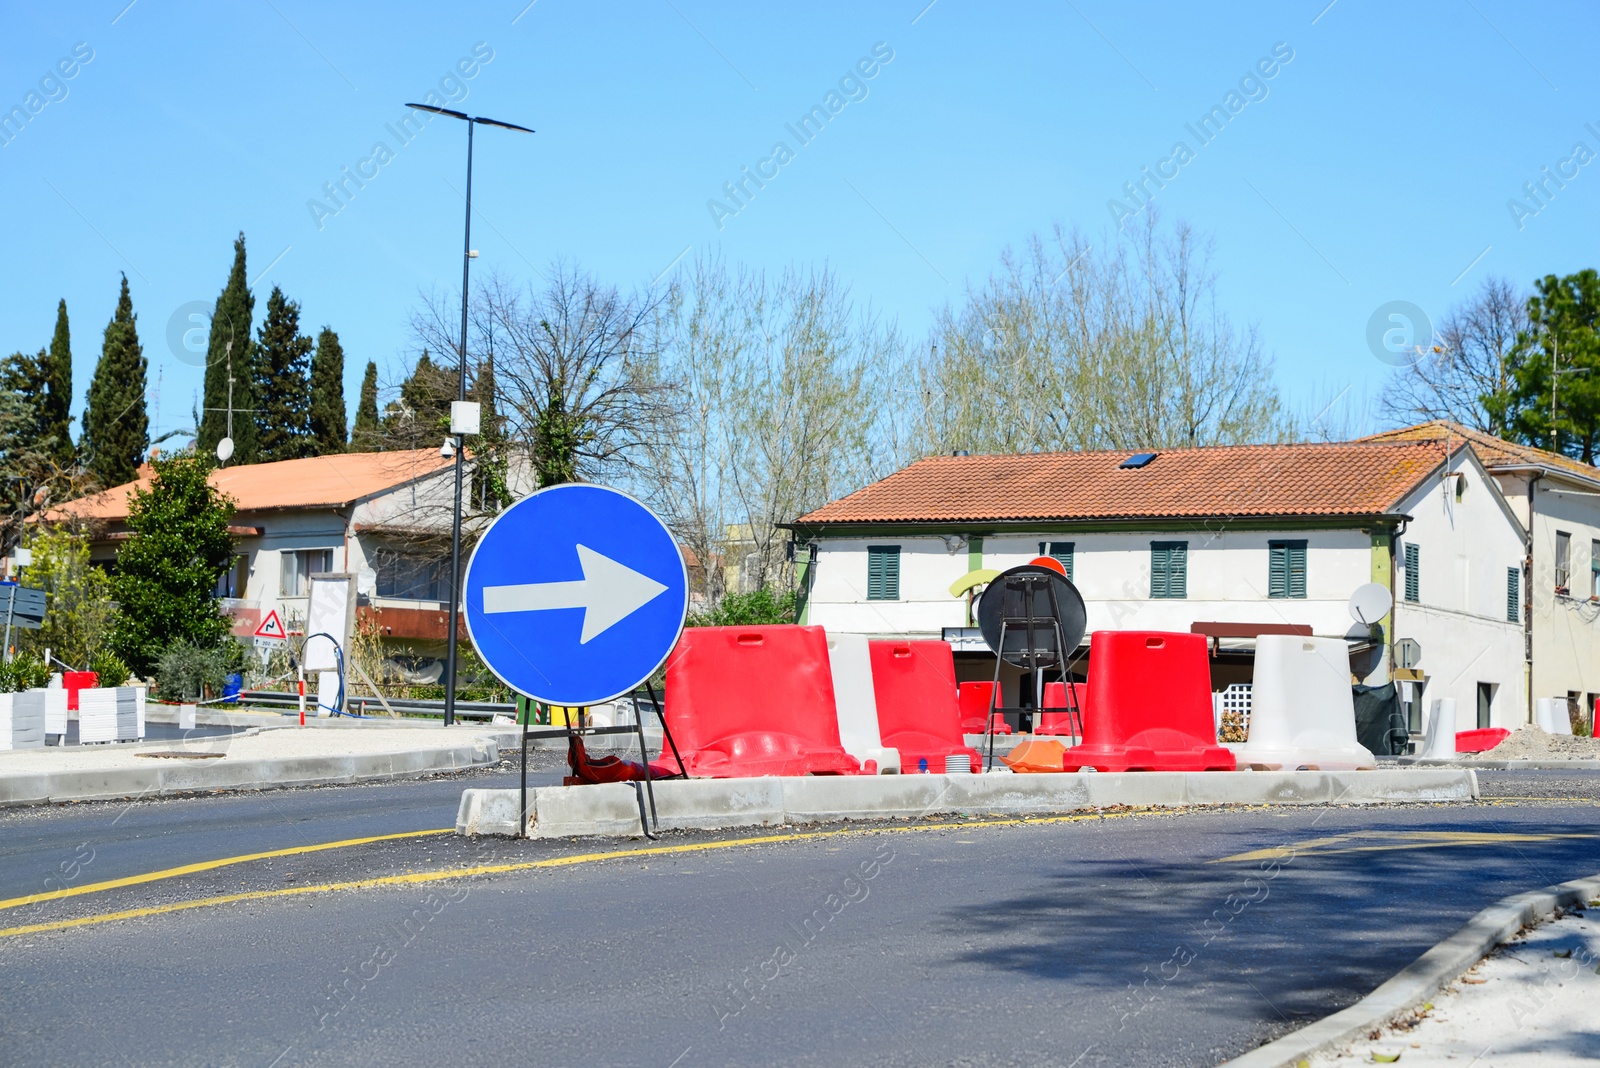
{"x": 1413, "y": 583}
{"x": 883, "y": 572}
{"x": 1277, "y": 569}
{"x": 1513, "y": 595}
{"x": 1062, "y": 551}
{"x": 1169, "y": 569}
{"x": 1296, "y": 563}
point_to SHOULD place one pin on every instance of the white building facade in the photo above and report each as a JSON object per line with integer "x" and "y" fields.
{"x": 1249, "y": 536}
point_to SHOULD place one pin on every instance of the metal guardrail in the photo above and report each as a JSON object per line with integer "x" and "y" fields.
{"x": 366, "y": 705}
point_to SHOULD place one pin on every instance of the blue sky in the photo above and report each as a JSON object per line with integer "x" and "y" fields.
{"x": 1376, "y": 165}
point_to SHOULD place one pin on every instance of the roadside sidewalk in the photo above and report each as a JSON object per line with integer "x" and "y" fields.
{"x": 1531, "y": 1002}
{"x": 251, "y": 760}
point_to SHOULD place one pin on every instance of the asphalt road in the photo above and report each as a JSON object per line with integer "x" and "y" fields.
{"x": 1128, "y": 939}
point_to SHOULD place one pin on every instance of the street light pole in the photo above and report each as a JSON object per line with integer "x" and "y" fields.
{"x": 461, "y": 395}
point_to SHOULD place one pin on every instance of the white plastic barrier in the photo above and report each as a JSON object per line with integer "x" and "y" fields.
{"x": 1302, "y": 712}
{"x": 1441, "y": 737}
{"x": 1550, "y": 715}
{"x": 187, "y": 714}
{"x": 856, "y": 704}
{"x": 97, "y": 715}
{"x": 22, "y": 720}
{"x": 55, "y": 711}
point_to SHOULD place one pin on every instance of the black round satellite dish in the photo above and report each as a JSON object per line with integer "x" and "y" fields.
{"x": 1054, "y": 599}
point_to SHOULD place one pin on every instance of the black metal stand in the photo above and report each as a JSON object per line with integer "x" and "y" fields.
{"x": 522, "y": 807}
{"x": 1034, "y": 656}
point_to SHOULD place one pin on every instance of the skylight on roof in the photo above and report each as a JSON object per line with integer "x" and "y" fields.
{"x": 1138, "y": 459}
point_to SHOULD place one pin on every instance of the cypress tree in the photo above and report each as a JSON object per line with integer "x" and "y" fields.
{"x": 230, "y": 322}
{"x": 364, "y": 437}
{"x": 283, "y": 383}
{"x": 423, "y": 412}
{"x": 327, "y": 395}
{"x": 56, "y": 407}
{"x": 116, "y": 428}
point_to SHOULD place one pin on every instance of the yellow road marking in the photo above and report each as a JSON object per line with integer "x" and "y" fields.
{"x": 204, "y": 865}
{"x": 1390, "y": 841}
{"x": 441, "y": 875}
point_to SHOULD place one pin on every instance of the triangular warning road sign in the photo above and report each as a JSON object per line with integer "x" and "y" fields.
{"x": 272, "y": 627}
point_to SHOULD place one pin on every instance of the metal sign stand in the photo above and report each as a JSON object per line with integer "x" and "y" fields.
{"x": 1034, "y": 655}
{"x": 584, "y": 730}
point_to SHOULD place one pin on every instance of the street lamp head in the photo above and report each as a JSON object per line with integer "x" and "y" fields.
{"x": 441, "y": 111}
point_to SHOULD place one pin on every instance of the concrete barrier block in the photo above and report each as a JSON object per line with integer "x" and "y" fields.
{"x": 1155, "y": 789}
{"x": 708, "y": 804}
{"x": 814, "y": 800}
{"x": 1016, "y": 795}
{"x": 489, "y": 812}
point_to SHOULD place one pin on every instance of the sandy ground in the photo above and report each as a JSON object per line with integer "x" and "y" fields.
{"x": 287, "y": 742}
{"x": 1531, "y": 743}
{"x": 1533, "y": 1002}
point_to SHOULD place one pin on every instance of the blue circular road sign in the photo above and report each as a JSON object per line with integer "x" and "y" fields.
{"x": 576, "y": 594}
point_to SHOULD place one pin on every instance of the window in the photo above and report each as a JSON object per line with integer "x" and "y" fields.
{"x": 411, "y": 578}
{"x": 1169, "y": 569}
{"x": 1286, "y": 576}
{"x": 1563, "y": 561}
{"x": 1485, "y": 703}
{"x": 1513, "y": 595}
{"x": 1594, "y": 570}
{"x": 296, "y": 568}
{"x": 1060, "y": 550}
{"x": 231, "y": 583}
{"x": 883, "y": 572}
{"x": 1413, "y": 580}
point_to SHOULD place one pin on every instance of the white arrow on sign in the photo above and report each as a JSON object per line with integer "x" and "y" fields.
{"x": 608, "y": 593}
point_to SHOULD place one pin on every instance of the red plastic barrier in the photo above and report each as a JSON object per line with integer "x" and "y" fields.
{"x": 915, "y": 684}
{"x": 1059, "y": 724}
{"x": 74, "y": 681}
{"x": 1481, "y": 739}
{"x": 745, "y": 701}
{"x": 973, "y": 699}
{"x": 1152, "y": 705}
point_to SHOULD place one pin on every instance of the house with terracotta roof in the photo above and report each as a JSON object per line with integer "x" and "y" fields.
{"x": 1557, "y": 501}
{"x": 1227, "y": 537}
{"x": 383, "y": 516}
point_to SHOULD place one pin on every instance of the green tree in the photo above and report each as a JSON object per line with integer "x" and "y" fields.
{"x": 283, "y": 393}
{"x": 327, "y": 395}
{"x": 230, "y": 326}
{"x": 757, "y": 608}
{"x": 79, "y": 610}
{"x": 26, "y": 470}
{"x": 422, "y": 414}
{"x": 167, "y": 571}
{"x": 57, "y": 401}
{"x": 365, "y": 436}
{"x": 116, "y": 428}
{"x": 1560, "y": 345}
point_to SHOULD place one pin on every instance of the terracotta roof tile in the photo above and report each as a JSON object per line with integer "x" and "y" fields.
{"x": 1344, "y": 479}
{"x": 1493, "y": 451}
{"x": 315, "y": 482}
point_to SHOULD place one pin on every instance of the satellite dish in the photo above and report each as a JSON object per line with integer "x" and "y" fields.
{"x": 225, "y": 449}
{"x": 1370, "y": 603}
{"x": 1006, "y": 600}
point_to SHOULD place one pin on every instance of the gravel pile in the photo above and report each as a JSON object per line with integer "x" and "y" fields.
{"x": 1531, "y": 743}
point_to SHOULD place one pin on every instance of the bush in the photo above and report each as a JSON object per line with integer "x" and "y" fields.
{"x": 108, "y": 668}
{"x": 26, "y": 672}
{"x": 186, "y": 671}
{"x": 754, "y": 609}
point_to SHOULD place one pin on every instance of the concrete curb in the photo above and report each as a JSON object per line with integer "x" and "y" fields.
{"x": 166, "y": 777}
{"x": 1582, "y": 763}
{"x": 1425, "y": 976}
{"x": 711, "y": 804}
